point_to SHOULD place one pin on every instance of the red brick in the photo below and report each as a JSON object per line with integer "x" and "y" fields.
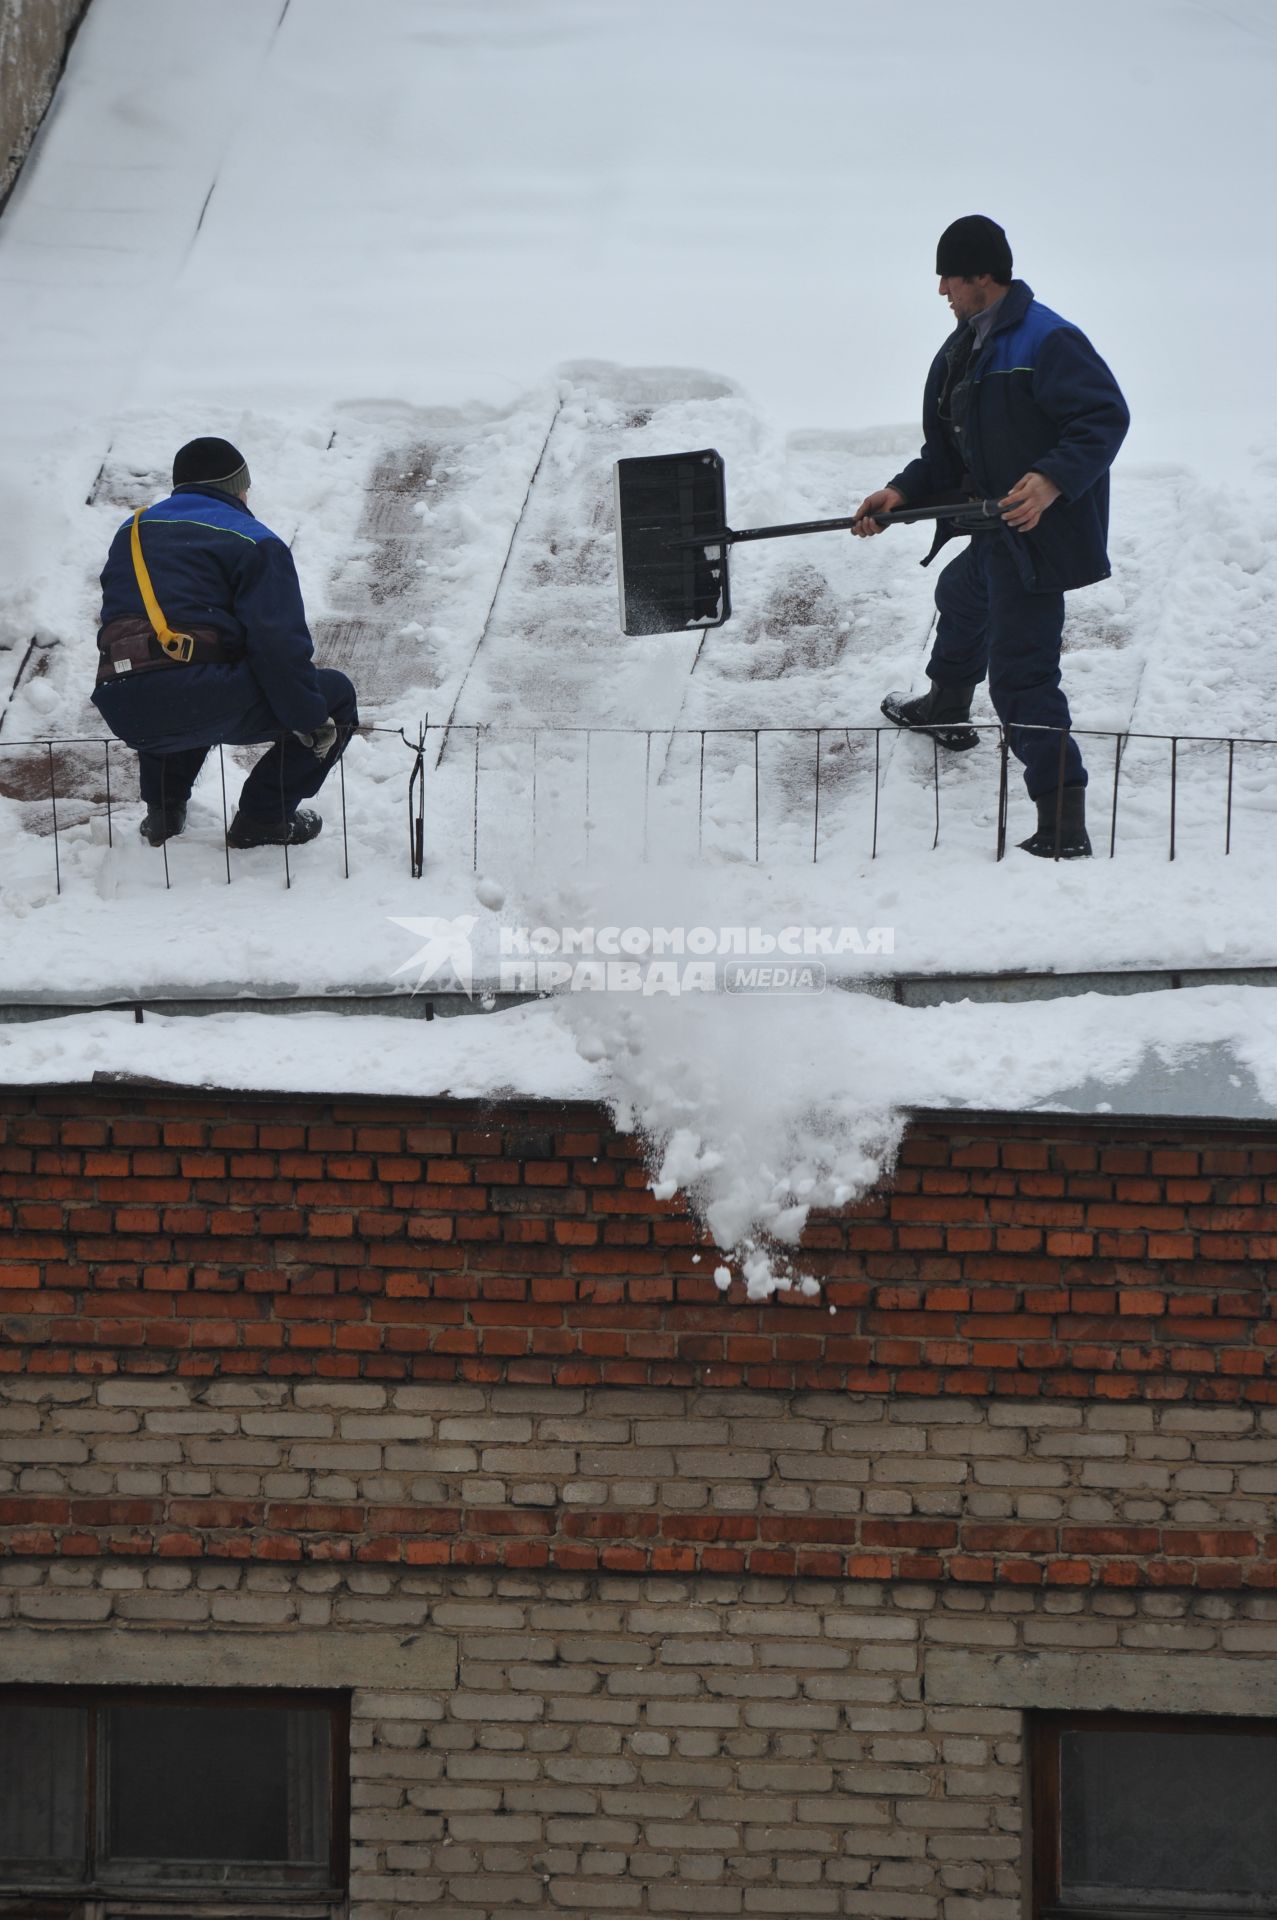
{"x": 24, "y": 1276}
{"x": 1167, "y": 1160}
{"x": 179, "y": 1546}
{"x": 27, "y": 1509}
{"x": 1069, "y": 1573}
{"x": 1008, "y": 1537}
{"x": 965, "y": 1566}
{"x": 1128, "y": 1540}
{"x": 1209, "y": 1545}
{"x": 430, "y": 1140}
{"x": 974, "y": 1153}
{"x": 1023, "y": 1154}
{"x": 908, "y": 1533}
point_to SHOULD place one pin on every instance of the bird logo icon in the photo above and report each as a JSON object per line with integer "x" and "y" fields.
{"x": 446, "y": 949}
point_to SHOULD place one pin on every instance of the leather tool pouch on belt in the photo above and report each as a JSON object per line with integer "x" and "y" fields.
{"x": 139, "y": 646}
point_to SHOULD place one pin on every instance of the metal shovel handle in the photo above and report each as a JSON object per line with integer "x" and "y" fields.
{"x": 966, "y": 510}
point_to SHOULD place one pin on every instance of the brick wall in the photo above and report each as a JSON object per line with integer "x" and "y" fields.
{"x": 447, "y": 1241}
{"x": 743, "y": 1603}
{"x": 1010, "y": 1492}
{"x": 676, "y": 1746}
{"x": 383, "y": 1332}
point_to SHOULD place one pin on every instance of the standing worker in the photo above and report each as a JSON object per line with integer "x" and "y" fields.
{"x": 203, "y": 641}
{"x": 1020, "y": 408}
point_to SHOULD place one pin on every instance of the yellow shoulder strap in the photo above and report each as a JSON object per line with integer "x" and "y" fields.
{"x": 178, "y": 646}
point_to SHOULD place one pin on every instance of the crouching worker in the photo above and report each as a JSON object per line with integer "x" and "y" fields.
{"x": 203, "y": 642}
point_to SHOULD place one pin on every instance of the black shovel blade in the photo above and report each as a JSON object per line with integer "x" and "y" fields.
{"x": 672, "y": 573}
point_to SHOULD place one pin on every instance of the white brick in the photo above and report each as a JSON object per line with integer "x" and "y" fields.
{"x": 144, "y": 1393}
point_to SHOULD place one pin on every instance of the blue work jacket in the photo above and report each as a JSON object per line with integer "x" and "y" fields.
{"x": 1036, "y": 396}
{"x": 213, "y": 566}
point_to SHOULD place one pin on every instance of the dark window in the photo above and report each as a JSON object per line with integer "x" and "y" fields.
{"x": 106, "y": 1792}
{"x": 1141, "y": 1815}
{"x": 43, "y": 1791}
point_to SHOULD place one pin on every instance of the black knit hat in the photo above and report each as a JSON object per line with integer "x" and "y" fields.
{"x": 210, "y": 463}
{"x": 975, "y": 244}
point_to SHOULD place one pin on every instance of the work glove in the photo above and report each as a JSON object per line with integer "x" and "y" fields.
{"x": 322, "y": 741}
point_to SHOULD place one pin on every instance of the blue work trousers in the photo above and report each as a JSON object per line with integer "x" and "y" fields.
{"x": 990, "y": 622}
{"x": 285, "y": 776}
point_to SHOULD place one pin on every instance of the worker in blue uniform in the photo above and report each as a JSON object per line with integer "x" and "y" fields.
{"x": 1018, "y": 407}
{"x": 203, "y": 641}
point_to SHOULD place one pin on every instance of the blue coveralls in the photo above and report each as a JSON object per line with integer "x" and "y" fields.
{"x": 214, "y": 567}
{"x": 1035, "y": 396}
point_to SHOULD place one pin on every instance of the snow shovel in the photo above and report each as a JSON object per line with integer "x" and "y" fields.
{"x": 672, "y": 538}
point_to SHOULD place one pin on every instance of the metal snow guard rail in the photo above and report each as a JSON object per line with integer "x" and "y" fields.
{"x": 48, "y": 744}
{"x": 46, "y": 789}
{"x": 1121, "y": 739}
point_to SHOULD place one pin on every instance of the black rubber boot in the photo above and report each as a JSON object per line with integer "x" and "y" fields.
{"x": 161, "y": 824}
{"x": 939, "y": 711}
{"x": 1062, "y": 837}
{"x": 303, "y": 826}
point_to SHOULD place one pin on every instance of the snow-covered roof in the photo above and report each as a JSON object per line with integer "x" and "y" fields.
{"x": 370, "y": 260}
